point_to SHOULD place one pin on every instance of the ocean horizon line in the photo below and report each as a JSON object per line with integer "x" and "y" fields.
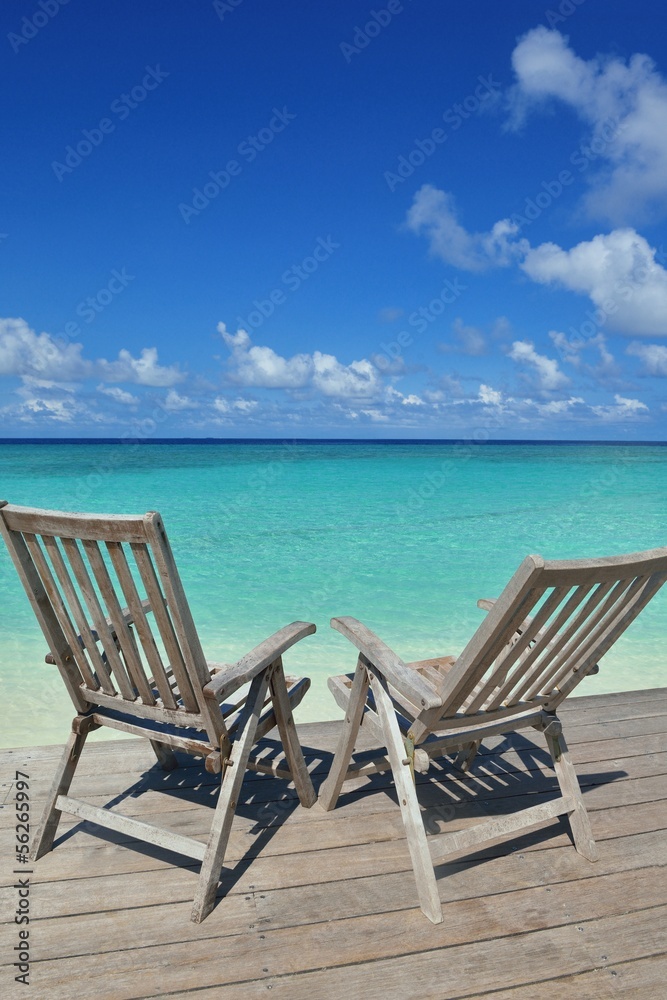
{"x": 322, "y": 441}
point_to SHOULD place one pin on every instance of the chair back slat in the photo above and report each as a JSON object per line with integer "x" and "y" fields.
{"x": 181, "y": 616}
{"x": 163, "y": 619}
{"x": 568, "y": 614}
{"x": 138, "y": 683}
{"x": 78, "y": 652}
{"x": 87, "y": 639}
{"x": 624, "y": 606}
{"x": 134, "y": 603}
{"x": 514, "y": 656}
{"x": 79, "y": 571}
{"x": 99, "y": 618}
{"x": 520, "y": 680}
{"x": 574, "y": 635}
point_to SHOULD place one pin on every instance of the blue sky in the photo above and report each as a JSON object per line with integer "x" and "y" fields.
{"x": 408, "y": 219}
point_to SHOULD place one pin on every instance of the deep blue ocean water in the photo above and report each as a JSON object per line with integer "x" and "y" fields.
{"x": 405, "y": 536}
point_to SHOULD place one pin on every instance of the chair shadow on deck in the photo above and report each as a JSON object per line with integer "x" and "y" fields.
{"x": 264, "y": 798}
{"x": 492, "y": 787}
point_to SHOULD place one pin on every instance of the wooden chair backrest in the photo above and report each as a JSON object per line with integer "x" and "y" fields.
{"x": 568, "y": 613}
{"x": 80, "y": 571}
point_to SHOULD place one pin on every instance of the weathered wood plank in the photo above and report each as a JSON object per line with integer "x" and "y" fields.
{"x": 509, "y": 959}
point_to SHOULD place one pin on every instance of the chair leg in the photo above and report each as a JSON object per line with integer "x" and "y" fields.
{"x": 331, "y": 787}
{"x": 427, "y": 887}
{"x": 290, "y": 740}
{"x": 466, "y": 755}
{"x": 582, "y": 834}
{"x": 48, "y": 826}
{"x": 165, "y": 755}
{"x": 232, "y": 780}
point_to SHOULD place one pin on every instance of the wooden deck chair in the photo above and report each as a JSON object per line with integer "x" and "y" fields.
{"x": 145, "y": 674}
{"x": 541, "y": 637}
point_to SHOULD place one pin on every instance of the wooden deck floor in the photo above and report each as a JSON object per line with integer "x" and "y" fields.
{"x": 324, "y": 905}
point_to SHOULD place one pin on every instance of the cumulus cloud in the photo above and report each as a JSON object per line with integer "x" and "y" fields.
{"x": 143, "y": 370}
{"x": 118, "y": 395}
{"x": 618, "y": 271}
{"x": 653, "y": 356}
{"x": 544, "y": 371}
{"x": 489, "y": 396}
{"x": 174, "y": 402}
{"x": 433, "y": 214}
{"x": 630, "y": 98}
{"x": 261, "y": 367}
{"x": 222, "y": 405}
{"x": 624, "y": 409}
{"x": 26, "y": 354}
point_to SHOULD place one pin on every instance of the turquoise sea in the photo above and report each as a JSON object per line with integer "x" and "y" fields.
{"x": 405, "y": 536}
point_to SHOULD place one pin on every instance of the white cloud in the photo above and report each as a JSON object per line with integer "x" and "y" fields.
{"x": 618, "y": 271}
{"x": 377, "y": 416}
{"x": 559, "y": 407}
{"x": 489, "y": 396}
{"x": 174, "y": 403}
{"x": 433, "y": 213}
{"x": 625, "y": 409}
{"x": 118, "y": 395}
{"x": 143, "y": 370}
{"x": 546, "y": 371}
{"x": 26, "y": 353}
{"x": 222, "y": 405}
{"x": 625, "y": 105}
{"x": 358, "y": 379}
{"x": 262, "y": 367}
{"x": 654, "y": 357}
{"x": 45, "y": 401}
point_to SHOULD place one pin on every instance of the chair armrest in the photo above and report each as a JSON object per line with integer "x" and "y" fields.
{"x": 233, "y": 676}
{"x": 410, "y": 683}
